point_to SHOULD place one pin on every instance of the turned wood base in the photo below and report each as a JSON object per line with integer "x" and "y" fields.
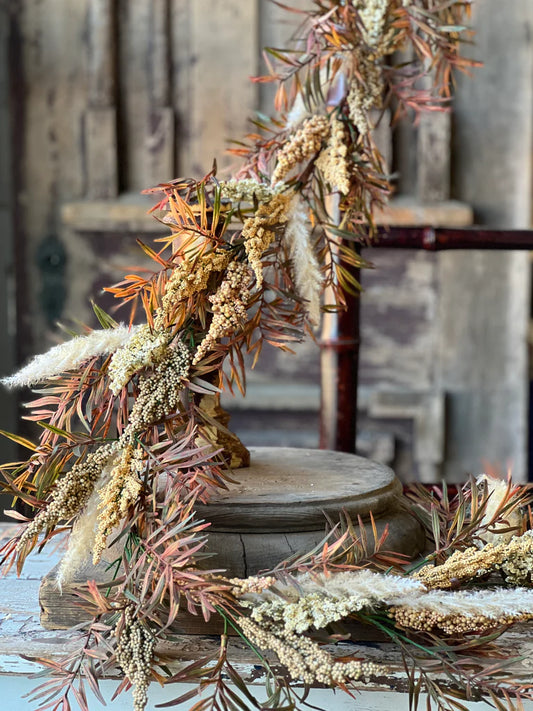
{"x": 277, "y": 509}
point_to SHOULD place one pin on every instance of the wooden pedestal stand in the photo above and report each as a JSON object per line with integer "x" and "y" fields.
{"x": 280, "y": 505}
{"x": 275, "y": 511}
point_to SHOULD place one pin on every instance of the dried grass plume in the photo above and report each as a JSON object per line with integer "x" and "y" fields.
{"x": 307, "y": 276}
{"x": 69, "y": 355}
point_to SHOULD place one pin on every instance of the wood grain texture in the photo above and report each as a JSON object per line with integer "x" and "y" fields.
{"x": 126, "y": 214}
{"x": 160, "y": 126}
{"x": 67, "y": 55}
{"x": 102, "y": 69}
{"x": 433, "y": 150}
{"x": 289, "y": 489}
{"x": 101, "y": 161}
{"x": 382, "y": 136}
{"x": 53, "y": 72}
{"x": 138, "y": 55}
{"x": 246, "y": 553}
{"x": 159, "y": 146}
{"x": 485, "y": 303}
{"x": 411, "y": 211}
{"x": 159, "y": 84}
{"x": 217, "y": 53}
{"x": 239, "y": 554}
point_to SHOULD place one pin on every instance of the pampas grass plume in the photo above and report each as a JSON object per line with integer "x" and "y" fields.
{"x": 364, "y": 588}
{"x": 307, "y": 276}
{"x": 69, "y": 355}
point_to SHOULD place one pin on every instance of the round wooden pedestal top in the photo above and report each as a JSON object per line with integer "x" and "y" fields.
{"x": 289, "y": 489}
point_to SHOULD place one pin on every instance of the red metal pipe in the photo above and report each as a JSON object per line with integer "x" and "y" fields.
{"x": 339, "y": 374}
{"x": 435, "y": 239}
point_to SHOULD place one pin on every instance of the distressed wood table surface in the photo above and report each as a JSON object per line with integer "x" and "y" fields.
{"x": 23, "y": 641}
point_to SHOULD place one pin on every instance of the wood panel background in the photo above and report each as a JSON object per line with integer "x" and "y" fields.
{"x": 103, "y": 98}
{"x": 8, "y": 410}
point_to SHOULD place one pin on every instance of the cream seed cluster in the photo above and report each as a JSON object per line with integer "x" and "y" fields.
{"x": 248, "y": 190}
{"x": 305, "y": 143}
{"x": 144, "y": 349}
{"x": 229, "y": 304}
{"x": 134, "y": 653}
{"x": 259, "y": 231}
{"x": 82, "y": 537}
{"x": 159, "y": 395}
{"x": 513, "y": 558}
{"x": 188, "y": 278}
{"x": 363, "y": 585}
{"x": 117, "y": 495}
{"x": 367, "y": 84}
{"x": 517, "y": 565}
{"x": 312, "y": 610}
{"x": 454, "y": 624}
{"x": 313, "y": 602}
{"x": 304, "y": 659}
{"x": 362, "y": 98}
{"x": 70, "y": 355}
{"x": 332, "y": 159}
{"x": 253, "y": 584}
{"x": 71, "y": 493}
{"x": 159, "y": 392}
{"x": 244, "y": 259}
{"x": 372, "y": 14}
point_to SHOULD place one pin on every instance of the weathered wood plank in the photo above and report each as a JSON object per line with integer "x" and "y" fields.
{"x": 135, "y": 51}
{"x": 410, "y": 211}
{"x": 426, "y": 410}
{"x": 147, "y": 119}
{"x": 100, "y": 124}
{"x": 214, "y": 97}
{"x": 101, "y": 30}
{"x": 484, "y": 305}
{"x": 127, "y": 214}
{"x": 398, "y": 316}
{"x": 405, "y": 139}
{"x": 158, "y": 59}
{"x": 159, "y": 146}
{"x": 382, "y": 135}
{"x": 433, "y": 151}
{"x": 50, "y": 158}
{"x": 101, "y": 161}
{"x": 277, "y": 28}
{"x": 277, "y": 508}
{"x": 159, "y": 142}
